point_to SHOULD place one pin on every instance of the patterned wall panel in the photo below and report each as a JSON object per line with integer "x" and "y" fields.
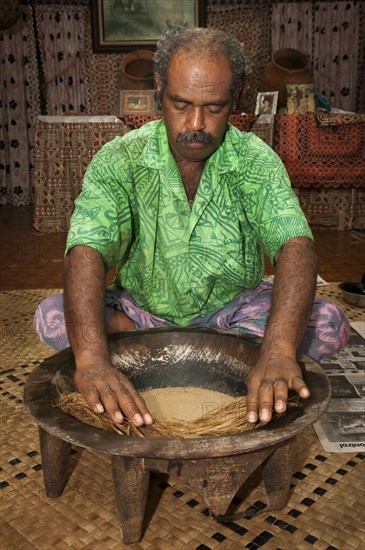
{"x": 251, "y": 24}
{"x": 19, "y": 100}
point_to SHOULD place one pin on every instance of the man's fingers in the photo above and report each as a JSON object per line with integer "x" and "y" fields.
{"x": 259, "y": 403}
{"x": 118, "y": 397}
{"x": 111, "y": 404}
{"x": 252, "y": 399}
{"x": 297, "y": 383}
{"x": 111, "y": 400}
{"x": 142, "y": 407}
{"x": 266, "y": 395}
{"x": 92, "y": 398}
{"x": 252, "y": 407}
{"x": 115, "y": 395}
{"x": 139, "y": 401}
{"x": 129, "y": 407}
{"x": 280, "y": 396}
{"x": 268, "y": 386}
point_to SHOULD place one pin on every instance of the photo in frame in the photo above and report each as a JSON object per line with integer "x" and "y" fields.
{"x": 124, "y": 25}
{"x": 266, "y": 103}
{"x": 138, "y": 102}
{"x": 300, "y": 98}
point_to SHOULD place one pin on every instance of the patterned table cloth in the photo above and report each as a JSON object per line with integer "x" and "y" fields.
{"x": 326, "y": 164}
{"x": 64, "y": 146}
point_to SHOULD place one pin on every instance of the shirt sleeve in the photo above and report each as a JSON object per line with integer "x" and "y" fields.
{"x": 275, "y": 212}
{"x": 101, "y": 219}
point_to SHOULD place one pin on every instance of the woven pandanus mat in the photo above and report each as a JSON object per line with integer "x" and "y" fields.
{"x": 325, "y": 509}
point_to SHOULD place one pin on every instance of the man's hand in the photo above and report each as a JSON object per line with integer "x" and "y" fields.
{"x": 107, "y": 390}
{"x": 268, "y": 384}
{"x": 276, "y": 370}
{"x": 103, "y": 387}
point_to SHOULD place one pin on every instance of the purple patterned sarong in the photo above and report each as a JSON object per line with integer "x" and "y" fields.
{"x": 327, "y": 331}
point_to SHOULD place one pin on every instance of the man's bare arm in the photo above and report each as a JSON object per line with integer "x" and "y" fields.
{"x": 277, "y": 370}
{"x": 102, "y": 386}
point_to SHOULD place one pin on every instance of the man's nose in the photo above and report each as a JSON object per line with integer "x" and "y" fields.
{"x": 196, "y": 119}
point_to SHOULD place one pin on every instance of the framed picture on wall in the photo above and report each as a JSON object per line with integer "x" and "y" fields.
{"x": 266, "y": 103}
{"x": 125, "y": 25}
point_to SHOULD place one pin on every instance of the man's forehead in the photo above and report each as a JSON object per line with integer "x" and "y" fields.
{"x": 209, "y": 75}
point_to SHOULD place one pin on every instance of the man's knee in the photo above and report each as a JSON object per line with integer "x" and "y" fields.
{"x": 119, "y": 322}
{"x": 332, "y": 328}
{"x": 49, "y": 322}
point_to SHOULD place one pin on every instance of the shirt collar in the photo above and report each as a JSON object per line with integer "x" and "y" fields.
{"x": 157, "y": 152}
{"x": 225, "y": 158}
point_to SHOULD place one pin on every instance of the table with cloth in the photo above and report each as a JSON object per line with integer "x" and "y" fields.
{"x": 325, "y": 161}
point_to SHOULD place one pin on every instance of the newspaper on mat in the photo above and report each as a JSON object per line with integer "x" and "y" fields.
{"x": 342, "y": 427}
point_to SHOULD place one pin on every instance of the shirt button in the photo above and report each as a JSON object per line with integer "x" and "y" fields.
{"x": 193, "y": 285}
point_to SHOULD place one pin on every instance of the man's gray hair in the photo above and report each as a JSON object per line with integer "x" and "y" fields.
{"x": 204, "y": 43}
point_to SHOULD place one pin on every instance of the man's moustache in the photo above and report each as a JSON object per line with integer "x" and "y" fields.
{"x": 185, "y": 138}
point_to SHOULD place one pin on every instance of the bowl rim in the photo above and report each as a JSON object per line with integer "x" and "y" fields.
{"x": 57, "y": 422}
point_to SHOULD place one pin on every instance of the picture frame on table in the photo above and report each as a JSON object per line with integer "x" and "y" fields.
{"x": 125, "y": 25}
{"x": 300, "y": 98}
{"x": 266, "y": 103}
{"x": 138, "y": 102}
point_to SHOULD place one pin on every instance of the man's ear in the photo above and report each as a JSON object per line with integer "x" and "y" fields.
{"x": 158, "y": 82}
{"x": 159, "y": 89}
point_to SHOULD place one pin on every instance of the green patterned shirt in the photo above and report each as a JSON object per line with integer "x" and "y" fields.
{"x": 179, "y": 262}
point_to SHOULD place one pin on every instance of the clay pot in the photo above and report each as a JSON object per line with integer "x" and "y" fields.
{"x": 287, "y": 66}
{"x": 10, "y": 12}
{"x": 136, "y": 71}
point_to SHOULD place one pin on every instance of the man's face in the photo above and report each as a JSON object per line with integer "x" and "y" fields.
{"x": 196, "y": 105}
